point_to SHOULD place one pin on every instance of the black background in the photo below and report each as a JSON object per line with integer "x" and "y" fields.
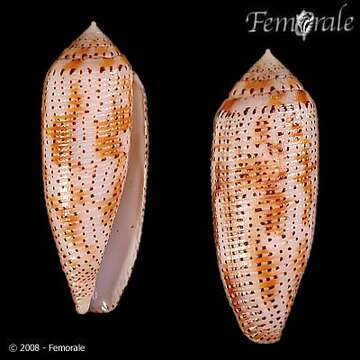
{"x": 188, "y": 59}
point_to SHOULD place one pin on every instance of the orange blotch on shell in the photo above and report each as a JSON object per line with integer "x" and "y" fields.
{"x": 299, "y": 264}
{"x": 300, "y": 259}
{"x": 82, "y": 51}
{"x": 61, "y": 129}
{"x": 302, "y": 97}
{"x": 73, "y": 64}
{"x": 268, "y": 283}
{"x": 269, "y": 212}
{"x": 276, "y": 99}
{"x": 124, "y": 59}
{"x": 110, "y": 204}
{"x": 304, "y": 177}
{"x": 264, "y": 270}
{"x": 273, "y": 204}
{"x": 258, "y": 84}
{"x": 108, "y": 131}
{"x": 101, "y": 49}
{"x": 228, "y": 104}
{"x": 67, "y": 216}
{"x": 107, "y": 62}
{"x": 267, "y": 273}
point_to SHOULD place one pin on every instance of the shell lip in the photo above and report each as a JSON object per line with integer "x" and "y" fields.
{"x": 124, "y": 241}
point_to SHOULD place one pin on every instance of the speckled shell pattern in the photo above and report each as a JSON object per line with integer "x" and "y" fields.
{"x": 86, "y": 132}
{"x": 264, "y": 176}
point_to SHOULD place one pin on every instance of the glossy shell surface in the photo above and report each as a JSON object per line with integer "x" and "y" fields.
{"x": 94, "y": 130}
{"x": 264, "y": 177}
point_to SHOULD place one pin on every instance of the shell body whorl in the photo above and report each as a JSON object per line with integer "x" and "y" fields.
{"x": 87, "y": 124}
{"x": 264, "y": 173}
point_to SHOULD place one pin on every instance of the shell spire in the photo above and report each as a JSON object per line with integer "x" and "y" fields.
{"x": 267, "y": 67}
{"x": 93, "y": 124}
{"x": 92, "y": 36}
{"x": 264, "y": 170}
{"x": 267, "y": 75}
{"x": 93, "y": 32}
{"x": 91, "y": 44}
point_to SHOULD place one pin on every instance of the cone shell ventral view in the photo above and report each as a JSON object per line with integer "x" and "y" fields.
{"x": 94, "y": 154}
{"x": 264, "y": 176}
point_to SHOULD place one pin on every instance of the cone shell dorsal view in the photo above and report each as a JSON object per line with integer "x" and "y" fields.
{"x": 264, "y": 175}
{"x": 94, "y": 154}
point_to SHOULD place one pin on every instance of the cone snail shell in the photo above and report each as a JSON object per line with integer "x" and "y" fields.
{"x": 264, "y": 171}
{"x": 94, "y": 154}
